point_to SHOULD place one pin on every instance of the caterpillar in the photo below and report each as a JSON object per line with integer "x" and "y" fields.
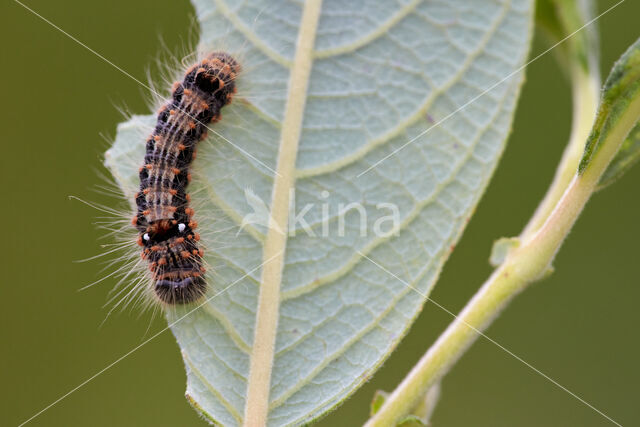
{"x": 164, "y": 218}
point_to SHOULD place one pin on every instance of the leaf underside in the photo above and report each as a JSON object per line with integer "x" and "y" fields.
{"x": 384, "y": 72}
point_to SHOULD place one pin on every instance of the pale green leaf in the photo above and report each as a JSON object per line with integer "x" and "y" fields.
{"x": 501, "y": 249}
{"x": 378, "y": 400}
{"x": 411, "y": 421}
{"x": 617, "y": 110}
{"x": 568, "y": 22}
{"x": 627, "y": 156}
{"x": 384, "y": 72}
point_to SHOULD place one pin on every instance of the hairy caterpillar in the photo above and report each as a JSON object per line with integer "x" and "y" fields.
{"x": 164, "y": 217}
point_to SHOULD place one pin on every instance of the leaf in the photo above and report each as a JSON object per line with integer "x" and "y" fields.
{"x": 501, "y": 249}
{"x": 618, "y": 110}
{"x": 627, "y": 156}
{"x": 421, "y": 413}
{"x": 411, "y": 421}
{"x": 383, "y": 73}
{"x": 569, "y": 21}
{"x": 378, "y": 400}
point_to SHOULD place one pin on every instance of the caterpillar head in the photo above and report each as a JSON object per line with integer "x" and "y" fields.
{"x": 175, "y": 261}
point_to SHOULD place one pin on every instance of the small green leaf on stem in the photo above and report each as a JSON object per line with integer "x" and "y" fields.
{"x": 411, "y": 421}
{"x": 378, "y": 400}
{"x": 501, "y": 248}
{"x": 561, "y": 18}
{"x": 421, "y": 413}
{"x": 620, "y": 91}
{"x": 627, "y": 156}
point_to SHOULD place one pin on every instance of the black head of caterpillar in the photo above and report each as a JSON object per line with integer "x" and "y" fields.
{"x": 164, "y": 218}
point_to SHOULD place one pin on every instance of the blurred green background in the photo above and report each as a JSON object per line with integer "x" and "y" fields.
{"x": 579, "y": 326}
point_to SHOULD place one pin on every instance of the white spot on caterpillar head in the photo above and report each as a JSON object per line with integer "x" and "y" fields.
{"x": 145, "y": 236}
{"x": 181, "y": 227}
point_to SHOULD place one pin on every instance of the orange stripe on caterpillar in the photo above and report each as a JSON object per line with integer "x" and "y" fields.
{"x": 164, "y": 219}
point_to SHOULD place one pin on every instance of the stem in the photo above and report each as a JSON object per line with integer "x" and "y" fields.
{"x": 261, "y": 363}
{"x": 522, "y": 266}
{"x": 586, "y": 92}
{"x": 428, "y": 403}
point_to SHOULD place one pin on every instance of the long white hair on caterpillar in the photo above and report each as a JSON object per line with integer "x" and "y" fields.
{"x": 171, "y": 269}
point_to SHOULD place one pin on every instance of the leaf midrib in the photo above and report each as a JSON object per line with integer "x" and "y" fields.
{"x": 299, "y": 385}
{"x": 261, "y": 361}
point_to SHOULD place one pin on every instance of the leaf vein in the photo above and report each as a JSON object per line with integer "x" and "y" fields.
{"x": 418, "y": 115}
{"x": 299, "y": 291}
